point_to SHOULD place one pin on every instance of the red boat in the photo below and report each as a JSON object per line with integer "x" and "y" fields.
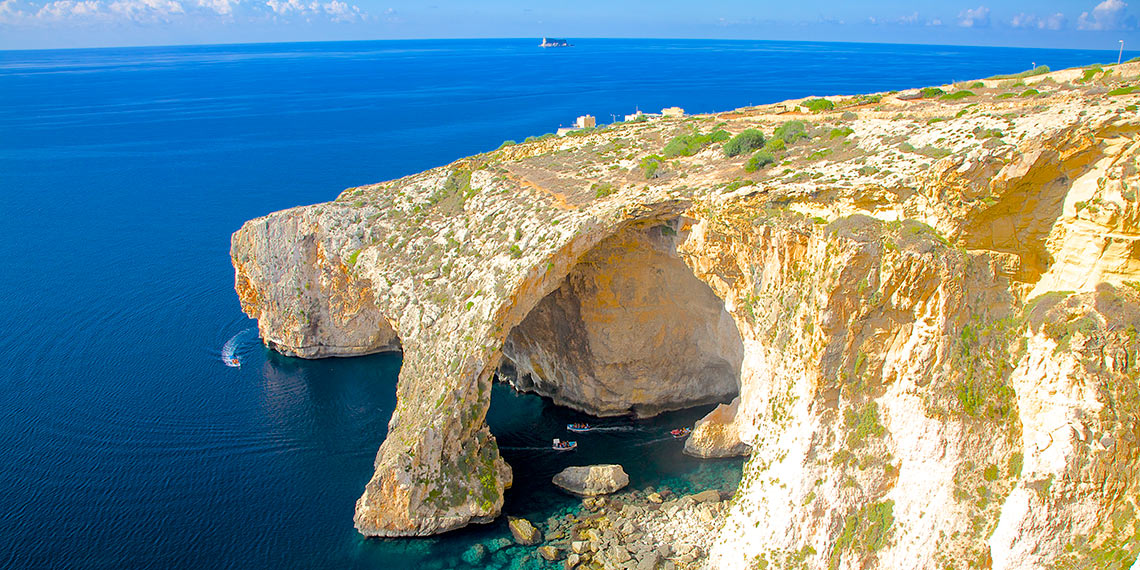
{"x": 680, "y": 432}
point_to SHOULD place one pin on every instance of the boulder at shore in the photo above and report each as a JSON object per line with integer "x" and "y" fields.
{"x": 524, "y": 532}
{"x": 592, "y": 480}
{"x": 716, "y": 435}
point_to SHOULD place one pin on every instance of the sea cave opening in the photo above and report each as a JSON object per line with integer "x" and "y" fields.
{"x": 632, "y": 343}
{"x": 630, "y": 331}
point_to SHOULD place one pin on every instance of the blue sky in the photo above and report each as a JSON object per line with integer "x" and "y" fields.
{"x": 1093, "y": 24}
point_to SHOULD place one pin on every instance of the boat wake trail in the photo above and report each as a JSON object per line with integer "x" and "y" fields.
{"x": 617, "y": 428}
{"x": 654, "y": 440}
{"x": 230, "y": 354}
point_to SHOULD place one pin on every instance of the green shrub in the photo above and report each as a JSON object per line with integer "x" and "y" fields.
{"x": 862, "y": 424}
{"x": 1005, "y": 96}
{"x": 933, "y": 151}
{"x": 848, "y": 116}
{"x": 1124, "y": 90}
{"x": 791, "y": 131}
{"x": 688, "y": 145}
{"x": 957, "y": 95}
{"x": 1039, "y": 70}
{"x": 539, "y": 138}
{"x": 516, "y": 251}
{"x": 507, "y": 143}
{"x": 840, "y": 132}
{"x": 736, "y": 185}
{"x": 978, "y": 85}
{"x": 352, "y": 258}
{"x": 743, "y": 143}
{"x": 1015, "y": 463}
{"x": 987, "y": 133}
{"x": 1089, "y": 74}
{"x": 651, "y": 165}
{"x": 759, "y": 160}
{"x": 818, "y": 105}
{"x": 862, "y": 100}
{"x": 991, "y": 473}
{"x": 602, "y": 189}
{"x": 928, "y": 92}
{"x": 1029, "y": 93}
{"x": 775, "y": 145}
{"x": 866, "y": 530}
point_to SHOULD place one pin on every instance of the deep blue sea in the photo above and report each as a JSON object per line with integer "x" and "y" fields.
{"x": 124, "y": 440}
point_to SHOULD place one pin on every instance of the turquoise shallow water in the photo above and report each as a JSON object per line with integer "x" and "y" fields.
{"x": 125, "y": 441}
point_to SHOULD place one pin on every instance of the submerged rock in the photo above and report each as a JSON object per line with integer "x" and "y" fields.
{"x": 475, "y": 555}
{"x": 592, "y": 480}
{"x": 706, "y": 496}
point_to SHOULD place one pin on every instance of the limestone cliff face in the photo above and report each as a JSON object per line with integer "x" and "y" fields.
{"x": 925, "y": 312}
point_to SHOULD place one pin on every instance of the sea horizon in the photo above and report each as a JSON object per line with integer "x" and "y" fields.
{"x": 1127, "y": 54}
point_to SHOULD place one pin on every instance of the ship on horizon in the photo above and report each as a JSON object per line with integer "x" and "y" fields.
{"x": 553, "y": 42}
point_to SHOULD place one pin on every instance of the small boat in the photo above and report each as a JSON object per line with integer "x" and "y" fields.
{"x": 680, "y": 432}
{"x": 579, "y": 427}
{"x": 560, "y": 445}
{"x": 235, "y": 362}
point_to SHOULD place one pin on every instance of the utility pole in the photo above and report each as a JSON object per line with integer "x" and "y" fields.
{"x": 1120, "y": 55}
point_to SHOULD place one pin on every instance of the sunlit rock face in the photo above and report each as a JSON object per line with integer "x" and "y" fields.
{"x": 717, "y": 435}
{"x": 630, "y": 330}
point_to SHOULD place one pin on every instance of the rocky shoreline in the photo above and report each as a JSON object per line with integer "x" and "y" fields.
{"x": 655, "y": 527}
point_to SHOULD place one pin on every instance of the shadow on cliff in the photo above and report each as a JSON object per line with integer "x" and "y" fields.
{"x": 630, "y": 330}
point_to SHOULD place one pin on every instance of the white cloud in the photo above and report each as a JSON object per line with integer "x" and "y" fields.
{"x": 974, "y": 18}
{"x": 912, "y": 19}
{"x": 334, "y": 10}
{"x": 220, "y": 7}
{"x": 85, "y": 12}
{"x": 64, "y": 10}
{"x": 1054, "y": 22}
{"x": 1108, "y": 15}
{"x": 146, "y": 10}
{"x": 341, "y": 12}
{"x": 1029, "y": 21}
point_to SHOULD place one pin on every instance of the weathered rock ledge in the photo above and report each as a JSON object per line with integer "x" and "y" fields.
{"x": 927, "y": 309}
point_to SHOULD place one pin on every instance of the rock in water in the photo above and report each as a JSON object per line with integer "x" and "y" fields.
{"x": 716, "y": 435}
{"x": 475, "y": 555}
{"x": 591, "y": 480}
{"x": 548, "y": 552}
{"x": 524, "y": 532}
{"x": 707, "y": 496}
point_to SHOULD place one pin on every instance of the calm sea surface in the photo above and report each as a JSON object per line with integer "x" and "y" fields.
{"x": 125, "y": 441}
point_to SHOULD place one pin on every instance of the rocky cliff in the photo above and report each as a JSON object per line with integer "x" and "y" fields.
{"x": 920, "y": 305}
